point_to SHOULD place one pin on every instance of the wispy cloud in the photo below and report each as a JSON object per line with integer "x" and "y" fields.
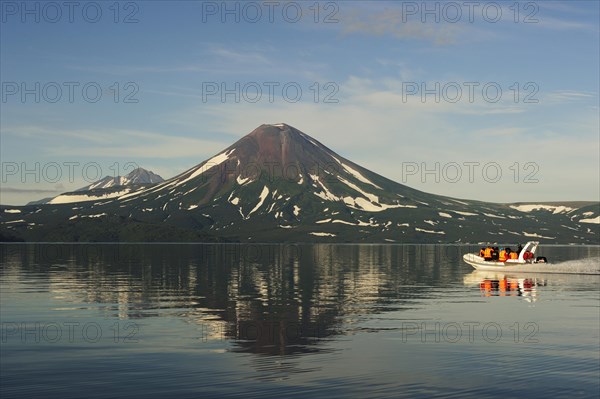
{"x": 393, "y": 23}
{"x": 500, "y": 132}
{"x": 135, "y": 70}
{"x": 14, "y": 190}
{"x": 117, "y": 143}
{"x": 569, "y": 96}
{"x": 563, "y": 24}
{"x": 241, "y": 58}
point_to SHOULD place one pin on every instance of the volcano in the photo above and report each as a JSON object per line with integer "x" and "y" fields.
{"x": 278, "y": 184}
{"x": 107, "y": 187}
{"x": 138, "y": 176}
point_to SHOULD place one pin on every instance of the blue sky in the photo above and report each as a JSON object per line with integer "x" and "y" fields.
{"x": 374, "y": 58}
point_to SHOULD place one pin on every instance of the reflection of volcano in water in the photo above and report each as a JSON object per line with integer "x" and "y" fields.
{"x": 266, "y": 299}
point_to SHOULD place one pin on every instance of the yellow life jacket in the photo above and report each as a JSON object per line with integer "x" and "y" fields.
{"x": 502, "y": 256}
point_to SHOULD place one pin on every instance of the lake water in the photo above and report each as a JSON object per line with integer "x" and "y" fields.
{"x": 179, "y": 320}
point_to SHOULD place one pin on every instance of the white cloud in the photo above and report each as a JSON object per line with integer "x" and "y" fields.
{"x": 116, "y": 143}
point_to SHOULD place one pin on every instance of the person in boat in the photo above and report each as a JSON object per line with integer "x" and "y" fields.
{"x": 487, "y": 253}
{"x": 513, "y": 255}
{"x": 495, "y": 253}
{"x": 503, "y": 255}
{"x": 482, "y": 252}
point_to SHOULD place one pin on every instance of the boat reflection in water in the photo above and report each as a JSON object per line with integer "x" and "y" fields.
{"x": 500, "y": 284}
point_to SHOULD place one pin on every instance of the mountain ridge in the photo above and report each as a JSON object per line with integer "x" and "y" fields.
{"x": 136, "y": 176}
{"x": 278, "y": 184}
{"x": 107, "y": 187}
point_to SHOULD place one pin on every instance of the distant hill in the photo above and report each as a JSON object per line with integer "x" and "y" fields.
{"x": 138, "y": 176}
{"x": 107, "y": 187}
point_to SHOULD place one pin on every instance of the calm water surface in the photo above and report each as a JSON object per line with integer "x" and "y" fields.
{"x": 292, "y": 321}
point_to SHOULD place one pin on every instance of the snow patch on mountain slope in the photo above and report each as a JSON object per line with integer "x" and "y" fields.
{"x": 533, "y": 207}
{"x": 234, "y": 200}
{"x": 363, "y": 204}
{"x": 12, "y": 211}
{"x": 370, "y": 203}
{"x": 115, "y": 181}
{"x": 445, "y": 215}
{"x": 320, "y": 234}
{"x": 325, "y": 194}
{"x": 241, "y": 181}
{"x": 429, "y": 231}
{"x": 149, "y": 190}
{"x": 67, "y": 199}
{"x": 296, "y": 210}
{"x": 465, "y": 213}
{"x": 595, "y": 220}
{"x": 491, "y": 215}
{"x": 371, "y": 197}
{"x": 214, "y": 161}
{"x": 356, "y": 173}
{"x": 261, "y": 199}
{"x": 535, "y": 235}
{"x": 88, "y": 216}
{"x": 343, "y": 222}
{"x": 370, "y": 224}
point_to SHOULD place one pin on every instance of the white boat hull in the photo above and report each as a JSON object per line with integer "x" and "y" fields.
{"x": 480, "y": 264}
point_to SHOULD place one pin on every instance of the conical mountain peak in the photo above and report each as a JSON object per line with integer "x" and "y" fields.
{"x": 283, "y": 143}
{"x": 276, "y": 132}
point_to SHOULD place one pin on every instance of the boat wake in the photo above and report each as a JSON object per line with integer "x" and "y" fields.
{"x": 578, "y": 266}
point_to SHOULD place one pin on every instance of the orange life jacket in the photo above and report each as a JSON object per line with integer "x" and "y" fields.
{"x": 502, "y": 257}
{"x": 513, "y": 255}
{"x": 487, "y": 253}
